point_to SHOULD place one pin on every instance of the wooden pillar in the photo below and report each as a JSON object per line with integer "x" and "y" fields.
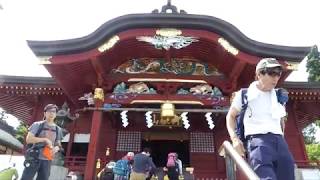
{"x": 71, "y": 139}
{"x": 94, "y": 136}
{"x": 293, "y": 108}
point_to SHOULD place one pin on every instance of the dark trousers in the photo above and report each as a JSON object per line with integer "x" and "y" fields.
{"x": 173, "y": 173}
{"x": 42, "y": 168}
{"x": 270, "y": 157}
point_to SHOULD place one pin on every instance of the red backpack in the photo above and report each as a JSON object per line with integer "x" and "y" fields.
{"x": 171, "y": 162}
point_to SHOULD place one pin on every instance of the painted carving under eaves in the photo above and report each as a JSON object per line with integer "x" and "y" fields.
{"x": 64, "y": 116}
{"x": 137, "y": 88}
{"x": 201, "y": 89}
{"x": 87, "y": 97}
{"x": 175, "y": 66}
{"x": 166, "y": 42}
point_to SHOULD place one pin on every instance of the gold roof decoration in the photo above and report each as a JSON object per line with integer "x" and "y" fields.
{"x": 294, "y": 66}
{"x": 168, "y": 32}
{"x": 227, "y": 46}
{"x": 45, "y": 59}
{"x": 109, "y": 44}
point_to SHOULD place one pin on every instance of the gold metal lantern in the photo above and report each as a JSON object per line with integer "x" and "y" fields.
{"x": 167, "y": 111}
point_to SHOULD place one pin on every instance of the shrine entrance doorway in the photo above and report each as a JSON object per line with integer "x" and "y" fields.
{"x": 162, "y": 143}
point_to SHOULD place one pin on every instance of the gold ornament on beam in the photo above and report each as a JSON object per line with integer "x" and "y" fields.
{"x": 109, "y": 44}
{"x": 228, "y": 47}
{"x": 44, "y": 60}
{"x": 294, "y": 66}
{"x": 169, "y": 32}
{"x": 98, "y": 94}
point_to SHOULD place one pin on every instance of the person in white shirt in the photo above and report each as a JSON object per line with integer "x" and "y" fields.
{"x": 179, "y": 162}
{"x": 267, "y": 150}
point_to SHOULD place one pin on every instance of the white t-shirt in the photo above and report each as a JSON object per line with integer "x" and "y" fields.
{"x": 258, "y": 117}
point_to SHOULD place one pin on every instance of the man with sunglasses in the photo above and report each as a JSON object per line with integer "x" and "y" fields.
{"x": 267, "y": 150}
{"x": 46, "y": 135}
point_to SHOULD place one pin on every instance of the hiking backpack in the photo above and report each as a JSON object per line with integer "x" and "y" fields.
{"x": 121, "y": 167}
{"x": 33, "y": 150}
{"x": 40, "y": 128}
{"x": 282, "y": 97}
{"x": 171, "y": 162}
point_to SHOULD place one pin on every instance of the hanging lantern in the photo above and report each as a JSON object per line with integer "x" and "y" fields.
{"x": 98, "y": 164}
{"x": 167, "y": 111}
{"x": 108, "y": 151}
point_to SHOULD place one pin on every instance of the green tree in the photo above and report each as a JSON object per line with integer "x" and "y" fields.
{"x": 313, "y": 151}
{"x": 21, "y": 132}
{"x": 313, "y": 65}
{"x": 312, "y": 145}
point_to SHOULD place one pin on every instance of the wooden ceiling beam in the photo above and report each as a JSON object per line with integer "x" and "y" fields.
{"x": 97, "y": 66}
{"x": 236, "y": 72}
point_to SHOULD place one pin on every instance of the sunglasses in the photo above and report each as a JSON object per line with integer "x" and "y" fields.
{"x": 272, "y": 72}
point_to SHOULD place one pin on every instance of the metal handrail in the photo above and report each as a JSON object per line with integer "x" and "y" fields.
{"x": 233, "y": 157}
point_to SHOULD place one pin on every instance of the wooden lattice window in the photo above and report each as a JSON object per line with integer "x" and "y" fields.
{"x": 129, "y": 141}
{"x": 201, "y": 142}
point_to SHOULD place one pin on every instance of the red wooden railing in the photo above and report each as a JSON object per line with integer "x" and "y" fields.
{"x": 78, "y": 163}
{"x": 308, "y": 164}
{"x": 75, "y": 163}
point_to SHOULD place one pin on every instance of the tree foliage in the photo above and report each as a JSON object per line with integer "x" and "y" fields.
{"x": 313, "y": 65}
{"x": 313, "y": 151}
{"x": 312, "y": 145}
{"x": 21, "y": 132}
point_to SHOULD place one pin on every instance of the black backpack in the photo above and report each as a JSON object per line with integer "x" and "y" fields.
{"x": 282, "y": 97}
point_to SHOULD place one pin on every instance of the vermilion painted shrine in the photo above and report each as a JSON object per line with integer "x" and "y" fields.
{"x": 138, "y": 62}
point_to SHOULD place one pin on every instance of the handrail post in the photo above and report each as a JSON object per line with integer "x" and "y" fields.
{"x": 232, "y": 157}
{"x": 231, "y": 175}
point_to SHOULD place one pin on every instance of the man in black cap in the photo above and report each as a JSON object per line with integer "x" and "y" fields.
{"x": 268, "y": 152}
{"x": 46, "y": 136}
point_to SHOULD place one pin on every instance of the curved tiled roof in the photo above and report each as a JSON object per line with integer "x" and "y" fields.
{"x": 162, "y": 20}
{"x": 7, "y": 139}
{"x": 18, "y": 94}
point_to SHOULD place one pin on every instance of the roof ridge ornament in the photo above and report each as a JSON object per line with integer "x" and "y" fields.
{"x": 169, "y": 9}
{"x": 166, "y": 42}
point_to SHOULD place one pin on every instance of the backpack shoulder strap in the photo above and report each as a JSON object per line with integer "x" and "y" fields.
{"x": 40, "y": 128}
{"x": 244, "y": 97}
{"x": 57, "y": 129}
{"x": 282, "y": 96}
